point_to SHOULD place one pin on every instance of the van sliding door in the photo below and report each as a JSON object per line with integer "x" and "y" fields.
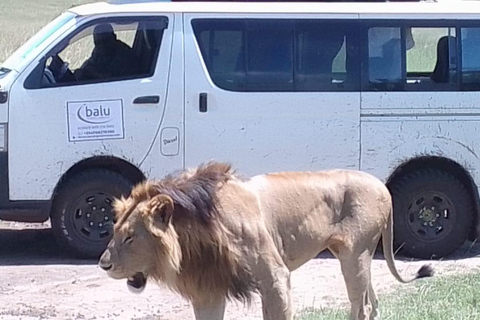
{"x": 272, "y": 94}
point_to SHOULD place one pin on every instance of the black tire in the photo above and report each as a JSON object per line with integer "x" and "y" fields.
{"x": 433, "y": 214}
{"x": 81, "y": 211}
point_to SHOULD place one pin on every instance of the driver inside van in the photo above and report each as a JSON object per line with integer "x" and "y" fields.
{"x": 109, "y": 59}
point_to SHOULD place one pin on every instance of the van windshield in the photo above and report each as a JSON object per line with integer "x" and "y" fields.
{"x": 30, "y": 48}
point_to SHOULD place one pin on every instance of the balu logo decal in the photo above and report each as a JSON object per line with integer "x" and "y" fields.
{"x": 94, "y": 115}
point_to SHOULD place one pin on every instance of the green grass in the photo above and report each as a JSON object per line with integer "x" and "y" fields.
{"x": 324, "y": 314}
{"x": 330, "y": 314}
{"x": 439, "y": 298}
{"x": 423, "y": 56}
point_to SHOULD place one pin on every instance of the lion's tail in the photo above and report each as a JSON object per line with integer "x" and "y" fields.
{"x": 387, "y": 240}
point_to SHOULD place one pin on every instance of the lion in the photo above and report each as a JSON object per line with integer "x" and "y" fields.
{"x": 212, "y": 236}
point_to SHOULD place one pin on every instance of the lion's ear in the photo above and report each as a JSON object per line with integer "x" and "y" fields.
{"x": 160, "y": 209}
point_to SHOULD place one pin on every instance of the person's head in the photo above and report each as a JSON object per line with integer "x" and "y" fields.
{"x": 103, "y": 34}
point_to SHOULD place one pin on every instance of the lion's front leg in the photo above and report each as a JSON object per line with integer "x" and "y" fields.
{"x": 273, "y": 280}
{"x": 212, "y": 309}
{"x": 275, "y": 292}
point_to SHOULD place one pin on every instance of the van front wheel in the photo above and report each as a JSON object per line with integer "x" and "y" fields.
{"x": 82, "y": 216}
{"x": 433, "y": 213}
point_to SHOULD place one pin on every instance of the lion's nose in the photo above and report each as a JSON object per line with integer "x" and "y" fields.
{"x": 104, "y": 261}
{"x": 106, "y": 267}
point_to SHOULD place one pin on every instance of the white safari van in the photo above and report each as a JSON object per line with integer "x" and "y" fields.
{"x": 108, "y": 94}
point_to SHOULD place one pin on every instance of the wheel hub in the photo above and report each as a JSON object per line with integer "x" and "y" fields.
{"x": 93, "y": 216}
{"x": 429, "y": 216}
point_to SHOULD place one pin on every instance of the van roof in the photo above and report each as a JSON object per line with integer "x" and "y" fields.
{"x": 442, "y": 9}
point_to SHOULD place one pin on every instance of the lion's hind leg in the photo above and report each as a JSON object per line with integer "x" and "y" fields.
{"x": 355, "y": 265}
{"x": 372, "y": 297}
{"x": 356, "y": 273}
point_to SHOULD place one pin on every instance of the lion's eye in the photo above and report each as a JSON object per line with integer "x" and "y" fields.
{"x": 128, "y": 240}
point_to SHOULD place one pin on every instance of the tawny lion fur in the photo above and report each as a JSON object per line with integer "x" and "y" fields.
{"x": 210, "y": 236}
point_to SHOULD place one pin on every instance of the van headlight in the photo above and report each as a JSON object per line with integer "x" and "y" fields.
{"x": 3, "y": 96}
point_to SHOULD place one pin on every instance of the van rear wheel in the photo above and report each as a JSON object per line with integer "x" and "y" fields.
{"x": 433, "y": 213}
{"x": 82, "y": 216}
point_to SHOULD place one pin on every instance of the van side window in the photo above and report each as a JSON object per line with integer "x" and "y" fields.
{"x": 384, "y": 57}
{"x": 412, "y": 59}
{"x": 271, "y": 55}
{"x": 221, "y": 44}
{"x": 470, "y": 43}
{"x": 269, "y": 52}
{"x": 327, "y": 56}
{"x": 104, "y": 51}
{"x": 431, "y": 63}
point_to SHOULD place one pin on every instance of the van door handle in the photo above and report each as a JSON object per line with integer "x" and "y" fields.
{"x": 202, "y": 102}
{"x": 147, "y": 100}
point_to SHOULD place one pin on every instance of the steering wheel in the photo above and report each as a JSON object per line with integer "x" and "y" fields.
{"x": 60, "y": 70}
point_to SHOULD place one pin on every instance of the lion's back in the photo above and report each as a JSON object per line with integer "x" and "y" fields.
{"x": 307, "y": 184}
{"x": 286, "y": 199}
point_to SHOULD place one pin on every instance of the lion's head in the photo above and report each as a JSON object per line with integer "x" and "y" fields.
{"x": 163, "y": 224}
{"x": 144, "y": 243}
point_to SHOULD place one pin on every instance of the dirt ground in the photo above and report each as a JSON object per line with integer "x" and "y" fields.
{"x": 38, "y": 282}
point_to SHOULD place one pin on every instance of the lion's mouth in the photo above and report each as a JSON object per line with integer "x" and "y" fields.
{"x": 137, "y": 283}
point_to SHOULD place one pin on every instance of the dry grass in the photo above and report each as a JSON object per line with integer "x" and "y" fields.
{"x": 20, "y": 19}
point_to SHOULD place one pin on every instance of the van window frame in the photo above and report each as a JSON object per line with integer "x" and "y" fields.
{"x": 349, "y": 87}
{"x": 465, "y": 24}
{"x": 455, "y": 24}
{"x": 35, "y": 75}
